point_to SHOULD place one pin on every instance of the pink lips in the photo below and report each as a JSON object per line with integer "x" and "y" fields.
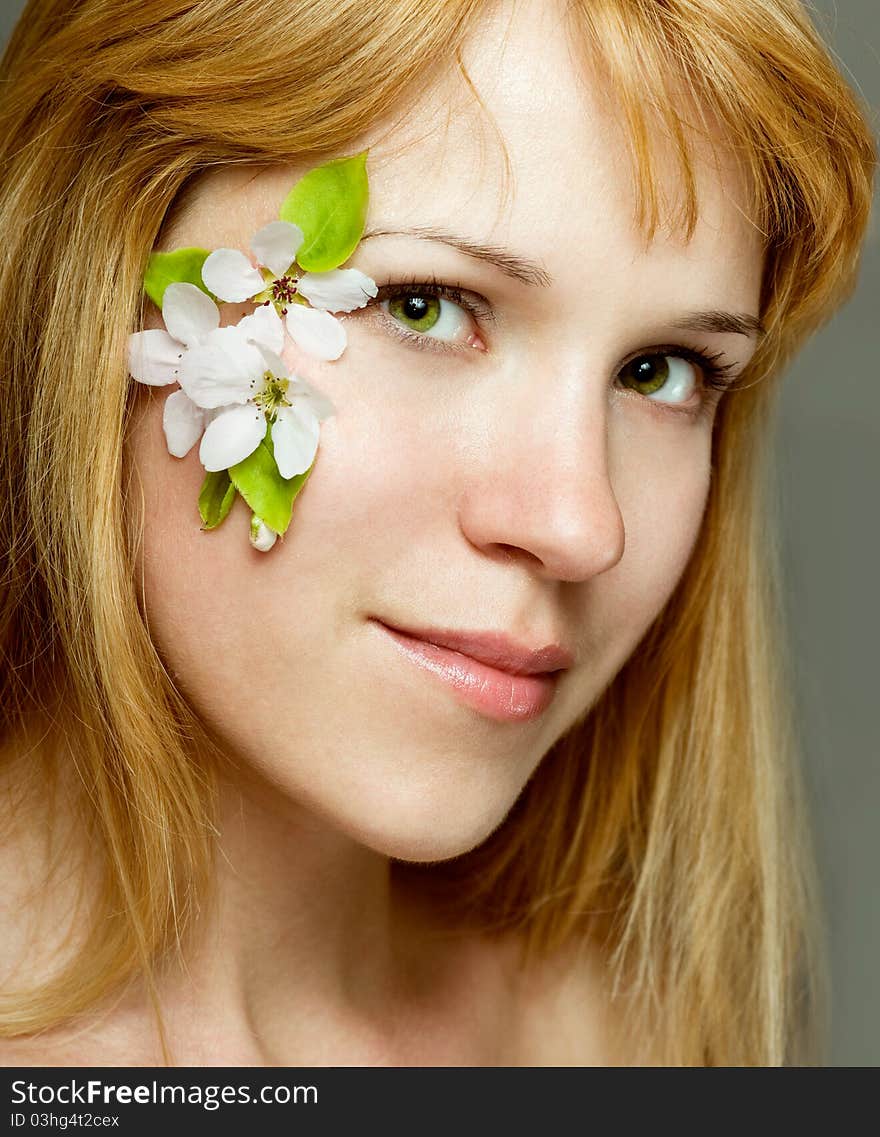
{"x": 488, "y": 670}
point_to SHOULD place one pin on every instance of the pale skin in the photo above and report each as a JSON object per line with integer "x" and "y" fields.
{"x": 511, "y": 483}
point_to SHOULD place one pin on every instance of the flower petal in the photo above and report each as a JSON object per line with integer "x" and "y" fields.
{"x": 276, "y": 245}
{"x": 261, "y": 536}
{"x": 231, "y": 436}
{"x": 340, "y": 290}
{"x": 188, "y": 313}
{"x": 294, "y": 440}
{"x": 224, "y": 369}
{"x": 302, "y": 394}
{"x": 318, "y": 333}
{"x": 183, "y": 422}
{"x": 274, "y": 363}
{"x": 264, "y": 327}
{"x": 154, "y": 357}
{"x": 231, "y": 276}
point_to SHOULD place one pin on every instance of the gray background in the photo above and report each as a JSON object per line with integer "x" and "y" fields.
{"x": 829, "y": 465}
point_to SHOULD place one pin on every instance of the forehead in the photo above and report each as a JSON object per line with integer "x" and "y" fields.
{"x": 524, "y": 148}
{"x": 527, "y": 149}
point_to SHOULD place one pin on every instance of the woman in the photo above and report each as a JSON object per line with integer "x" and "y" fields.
{"x": 258, "y": 813}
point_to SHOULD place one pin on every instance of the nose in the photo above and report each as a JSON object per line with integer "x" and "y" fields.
{"x": 542, "y": 489}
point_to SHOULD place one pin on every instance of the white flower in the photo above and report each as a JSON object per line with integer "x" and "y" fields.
{"x": 185, "y": 419}
{"x": 237, "y": 376}
{"x": 183, "y": 422}
{"x": 261, "y": 536}
{"x": 155, "y": 357}
{"x": 230, "y": 275}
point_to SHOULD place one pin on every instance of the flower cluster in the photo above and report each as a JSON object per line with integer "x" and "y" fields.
{"x": 258, "y": 424}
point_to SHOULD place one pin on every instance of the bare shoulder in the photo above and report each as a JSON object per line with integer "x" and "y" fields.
{"x": 18, "y": 1052}
{"x": 500, "y": 1012}
{"x": 568, "y": 1014}
{"x": 46, "y": 879}
{"x": 562, "y": 1008}
{"x": 557, "y": 1011}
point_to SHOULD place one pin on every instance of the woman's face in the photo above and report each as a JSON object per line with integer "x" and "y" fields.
{"x": 508, "y": 470}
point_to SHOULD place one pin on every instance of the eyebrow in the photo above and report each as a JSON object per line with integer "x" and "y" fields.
{"x": 728, "y": 323}
{"x": 530, "y": 272}
{"x": 511, "y": 264}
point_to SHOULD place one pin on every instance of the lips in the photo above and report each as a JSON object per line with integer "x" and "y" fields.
{"x": 495, "y": 649}
{"x": 489, "y": 671}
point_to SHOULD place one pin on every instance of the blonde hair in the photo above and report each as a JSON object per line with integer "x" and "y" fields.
{"x": 671, "y": 815}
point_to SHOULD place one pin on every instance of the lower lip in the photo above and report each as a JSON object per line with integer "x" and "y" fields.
{"x": 496, "y": 694}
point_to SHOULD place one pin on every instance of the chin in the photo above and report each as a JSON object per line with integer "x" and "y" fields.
{"x": 427, "y": 828}
{"x": 429, "y": 848}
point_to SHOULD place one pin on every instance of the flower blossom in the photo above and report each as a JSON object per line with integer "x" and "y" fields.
{"x": 155, "y": 357}
{"x": 277, "y": 281}
{"x": 236, "y": 377}
{"x": 261, "y": 536}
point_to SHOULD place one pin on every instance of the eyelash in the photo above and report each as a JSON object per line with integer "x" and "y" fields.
{"x": 715, "y": 375}
{"x": 473, "y": 304}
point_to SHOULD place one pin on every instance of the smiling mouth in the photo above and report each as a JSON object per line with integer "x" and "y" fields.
{"x": 487, "y": 670}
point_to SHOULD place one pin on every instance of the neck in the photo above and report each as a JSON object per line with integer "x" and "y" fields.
{"x": 307, "y": 947}
{"x": 310, "y": 950}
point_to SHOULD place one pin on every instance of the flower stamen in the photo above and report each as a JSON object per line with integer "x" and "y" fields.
{"x": 272, "y": 396}
{"x": 284, "y": 290}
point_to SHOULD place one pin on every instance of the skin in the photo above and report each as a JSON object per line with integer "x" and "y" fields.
{"x": 508, "y": 484}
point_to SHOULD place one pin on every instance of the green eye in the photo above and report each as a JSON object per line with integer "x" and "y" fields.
{"x": 646, "y": 374}
{"x": 675, "y": 377}
{"x": 433, "y": 315}
{"x": 420, "y": 313}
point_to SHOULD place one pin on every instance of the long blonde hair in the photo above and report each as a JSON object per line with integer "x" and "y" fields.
{"x": 671, "y": 815}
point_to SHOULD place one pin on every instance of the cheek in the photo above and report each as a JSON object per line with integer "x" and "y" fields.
{"x": 661, "y": 480}
{"x": 662, "y": 485}
{"x": 273, "y": 651}
{"x": 238, "y": 628}
{"x": 197, "y": 602}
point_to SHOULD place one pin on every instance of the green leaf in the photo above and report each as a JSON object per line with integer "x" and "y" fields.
{"x": 170, "y": 268}
{"x": 329, "y": 204}
{"x": 269, "y": 495}
{"x": 216, "y": 498}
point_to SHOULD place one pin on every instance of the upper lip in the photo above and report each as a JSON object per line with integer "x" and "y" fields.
{"x": 496, "y": 649}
